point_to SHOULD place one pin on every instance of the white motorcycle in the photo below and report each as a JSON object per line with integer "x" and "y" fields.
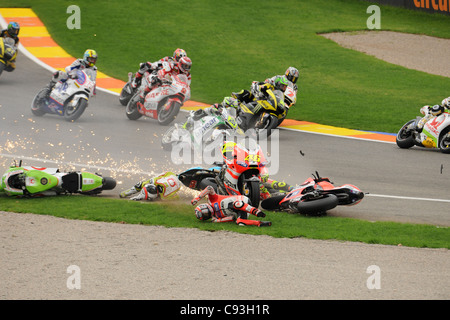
{"x": 162, "y": 103}
{"x": 68, "y": 98}
{"x": 435, "y": 132}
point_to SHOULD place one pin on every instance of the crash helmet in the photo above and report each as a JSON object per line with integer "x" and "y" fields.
{"x": 178, "y": 54}
{"x": 292, "y": 74}
{"x": 184, "y": 64}
{"x": 13, "y": 29}
{"x": 230, "y": 102}
{"x": 204, "y": 211}
{"x": 436, "y": 110}
{"x": 90, "y": 57}
{"x": 281, "y": 83}
{"x": 446, "y": 103}
{"x": 151, "y": 191}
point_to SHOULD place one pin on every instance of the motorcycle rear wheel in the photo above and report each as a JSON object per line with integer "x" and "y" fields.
{"x": 73, "y": 113}
{"x": 405, "y": 139}
{"x": 36, "y": 106}
{"x": 318, "y": 206}
{"x": 167, "y": 116}
{"x": 131, "y": 110}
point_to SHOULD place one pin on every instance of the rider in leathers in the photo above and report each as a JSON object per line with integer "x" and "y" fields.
{"x": 225, "y": 208}
{"x": 163, "y": 186}
{"x": 433, "y": 111}
{"x": 157, "y": 65}
{"x": 87, "y": 62}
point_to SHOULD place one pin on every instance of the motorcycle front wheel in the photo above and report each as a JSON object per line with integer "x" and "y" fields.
{"x": 444, "y": 141}
{"x": 2, "y": 67}
{"x": 265, "y": 129}
{"x": 73, "y": 113}
{"x": 37, "y": 107}
{"x": 250, "y": 189}
{"x": 167, "y": 112}
{"x": 131, "y": 110}
{"x": 125, "y": 97}
{"x": 404, "y": 138}
{"x": 318, "y": 206}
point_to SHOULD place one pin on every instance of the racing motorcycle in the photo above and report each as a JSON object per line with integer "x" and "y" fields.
{"x": 239, "y": 174}
{"x": 315, "y": 197}
{"x": 8, "y": 53}
{"x": 201, "y": 132}
{"x": 262, "y": 114}
{"x": 162, "y": 103}
{"x": 69, "y": 98}
{"x": 29, "y": 181}
{"x": 435, "y": 132}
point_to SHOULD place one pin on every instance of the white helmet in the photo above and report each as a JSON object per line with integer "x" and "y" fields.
{"x": 446, "y": 102}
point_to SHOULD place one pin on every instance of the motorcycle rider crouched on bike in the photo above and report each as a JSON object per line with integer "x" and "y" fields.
{"x": 163, "y": 186}
{"x": 11, "y": 32}
{"x": 88, "y": 62}
{"x": 225, "y": 208}
{"x": 433, "y": 111}
{"x": 157, "y": 65}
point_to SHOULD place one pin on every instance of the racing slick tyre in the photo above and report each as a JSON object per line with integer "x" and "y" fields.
{"x": 2, "y": 67}
{"x": 168, "y": 111}
{"x": 131, "y": 110}
{"x": 444, "y": 141}
{"x": 124, "y": 96}
{"x": 270, "y": 124}
{"x": 108, "y": 183}
{"x": 405, "y": 139}
{"x": 318, "y": 206}
{"x": 251, "y": 190}
{"x": 273, "y": 202}
{"x": 73, "y": 113}
{"x": 37, "y": 107}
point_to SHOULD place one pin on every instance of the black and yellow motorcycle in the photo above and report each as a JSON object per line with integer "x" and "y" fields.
{"x": 264, "y": 114}
{"x": 8, "y": 54}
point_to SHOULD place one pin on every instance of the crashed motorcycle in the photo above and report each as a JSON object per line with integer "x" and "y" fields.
{"x": 314, "y": 197}
{"x": 201, "y": 132}
{"x": 69, "y": 97}
{"x": 162, "y": 103}
{"x": 238, "y": 174}
{"x": 29, "y": 181}
{"x": 8, "y": 54}
{"x": 434, "y": 132}
{"x": 262, "y": 114}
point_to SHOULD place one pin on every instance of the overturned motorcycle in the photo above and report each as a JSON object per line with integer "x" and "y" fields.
{"x": 69, "y": 98}
{"x": 201, "y": 132}
{"x": 428, "y": 132}
{"x": 162, "y": 103}
{"x": 28, "y": 181}
{"x": 315, "y": 197}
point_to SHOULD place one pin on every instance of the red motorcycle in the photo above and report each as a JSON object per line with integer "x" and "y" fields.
{"x": 314, "y": 197}
{"x": 162, "y": 103}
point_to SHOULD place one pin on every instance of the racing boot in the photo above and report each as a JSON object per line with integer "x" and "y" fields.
{"x": 128, "y": 192}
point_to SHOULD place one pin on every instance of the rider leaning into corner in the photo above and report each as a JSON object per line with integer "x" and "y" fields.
{"x": 87, "y": 62}
{"x": 157, "y": 65}
{"x": 225, "y": 208}
{"x": 291, "y": 74}
{"x": 432, "y": 112}
{"x": 11, "y": 32}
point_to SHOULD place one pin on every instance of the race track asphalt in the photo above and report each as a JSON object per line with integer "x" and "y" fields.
{"x": 400, "y": 185}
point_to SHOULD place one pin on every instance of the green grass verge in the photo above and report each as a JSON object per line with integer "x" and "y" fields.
{"x": 233, "y": 42}
{"x": 171, "y": 214}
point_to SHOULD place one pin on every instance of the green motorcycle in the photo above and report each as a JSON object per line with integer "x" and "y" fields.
{"x": 28, "y": 181}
